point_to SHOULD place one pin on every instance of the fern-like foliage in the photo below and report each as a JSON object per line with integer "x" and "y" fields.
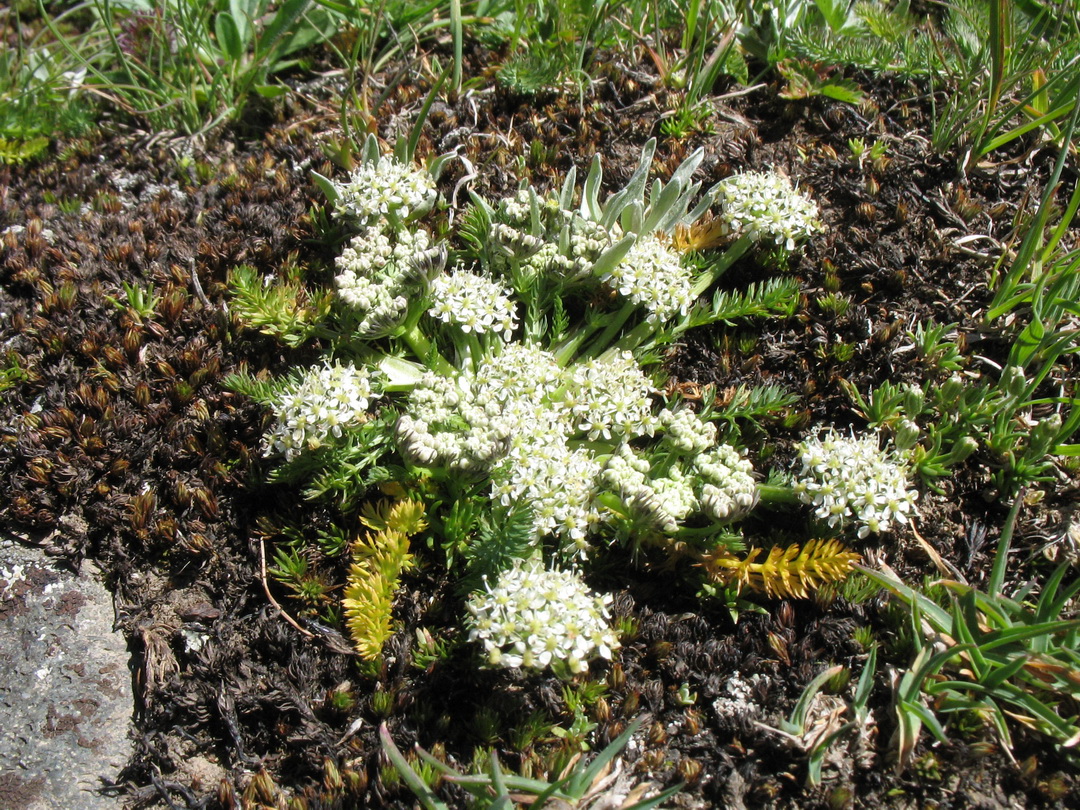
{"x": 19, "y": 150}
{"x": 777, "y": 296}
{"x": 500, "y": 539}
{"x": 751, "y": 403}
{"x": 265, "y": 392}
{"x": 281, "y": 309}
{"x": 378, "y": 560}
{"x": 785, "y": 572}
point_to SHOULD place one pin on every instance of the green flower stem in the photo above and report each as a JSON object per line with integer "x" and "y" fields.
{"x": 776, "y": 495}
{"x": 425, "y": 351}
{"x": 612, "y": 329}
{"x": 721, "y": 265}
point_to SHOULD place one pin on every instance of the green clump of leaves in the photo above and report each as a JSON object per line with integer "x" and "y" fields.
{"x": 281, "y": 308}
{"x": 20, "y": 150}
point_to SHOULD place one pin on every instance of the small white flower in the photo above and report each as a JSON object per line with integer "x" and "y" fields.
{"x": 610, "y": 396}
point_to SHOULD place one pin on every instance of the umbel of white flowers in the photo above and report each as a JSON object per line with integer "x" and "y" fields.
{"x": 766, "y": 206}
{"x": 320, "y": 404}
{"x": 535, "y": 618}
{"x": 384, "y": 189}
{"x": 850, "y": 479}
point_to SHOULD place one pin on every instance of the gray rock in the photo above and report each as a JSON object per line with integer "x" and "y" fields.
{"x": 65, "y": 688}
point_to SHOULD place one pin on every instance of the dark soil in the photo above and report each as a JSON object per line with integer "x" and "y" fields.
{"x": 122, "y": 445}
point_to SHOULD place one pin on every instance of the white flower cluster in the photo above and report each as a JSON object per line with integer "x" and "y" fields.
{"x": 474, "y": 303}
{"x": 610, "y": 396}
{"x": 522, "y": 375}
{"x": 318, "y": 406}
{"x": 385, "y": 189}
{"x": 849, "y": 477}
{"x": 766, "y": 206}
{"x": 567, "y": 247}
{"x": 652, "y": 276}
{"x": 381, "y": 272}
{"x": 451, "y": 422}
{"x": 533, "y": 618}
{"x": 559, "y": 484}
{"x": 718, "y": 483}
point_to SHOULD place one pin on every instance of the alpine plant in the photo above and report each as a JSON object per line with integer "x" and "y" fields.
{"x": 509, "y": 390}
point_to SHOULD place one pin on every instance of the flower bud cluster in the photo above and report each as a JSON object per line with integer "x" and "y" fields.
{"x": 319, "y": 405}
{"x": 717, "y": 483}
{"x": 728, "y": 491}
{"x": 535, "y": 619}
{"x": 686, "y": 432}
{"x": 765, "y": 206}
{"x": 451, "y": 423}
{"x": 385, "y": 189}
{"x": 473, "y": 303}
{"x": 660, "y": 505}
{"x": 381, "y": 272}
{"x": 848, "y": 478}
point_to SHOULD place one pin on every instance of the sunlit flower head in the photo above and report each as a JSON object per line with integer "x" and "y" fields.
{"x": 323, "y": 402}
{"x": 849, "y": 479}
{"x": 532, "y": 618}
{"x": 765, "y": 206}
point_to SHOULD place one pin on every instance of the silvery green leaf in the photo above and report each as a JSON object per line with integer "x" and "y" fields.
{"x": 536, "y": 225}
{"x": 662, "y": 200}
{"x": 436, "y": 167}
{"x": 613, "y": 255}
{"x": 671, "y": 214}
{"x": 564, "y": 240}
{"x": 326, "y": 185}
{"x": 566, "y": 197}
{"x": 704, "y": 204}
{"x": 400, "y": 374}
{"x": 687, "y": 168}
{"x": 590, "y": 195}
{"x": 370, "y": 152}
{"x": 631, "y": 218}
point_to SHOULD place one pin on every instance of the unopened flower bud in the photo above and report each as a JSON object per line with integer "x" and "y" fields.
{"x": 1013, "y": 381}
{"x": 1044, "y": 436}
{"x": 907, "y": 434}
{"x": 914, "y": 401}
{"x": 961, "y": 450}
{"x": 951, "y": 390}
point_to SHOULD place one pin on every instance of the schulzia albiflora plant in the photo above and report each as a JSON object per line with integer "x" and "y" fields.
{"x": 512, "y": 393}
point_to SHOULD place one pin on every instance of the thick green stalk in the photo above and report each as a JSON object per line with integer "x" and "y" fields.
{"x": 774, "y": 494}
{"x": 425, "y": 351}
{"x": 719, "y": 267}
